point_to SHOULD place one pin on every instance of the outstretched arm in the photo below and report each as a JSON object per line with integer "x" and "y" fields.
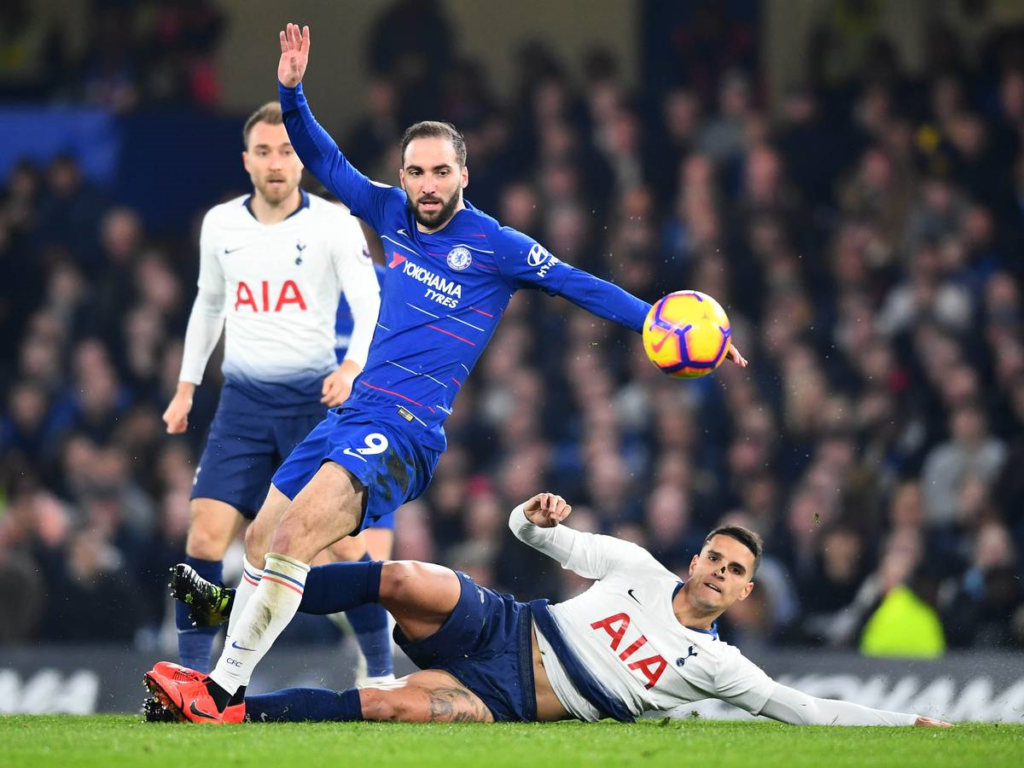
{"x": 789, "y": 705}
{"x": 315, "y": 147}
{"x": 524, "y": 263}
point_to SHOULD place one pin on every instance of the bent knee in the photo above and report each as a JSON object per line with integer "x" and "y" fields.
{"x": 348, "y": 550}
{"x": 257, "y": 542}
{"x": 211, "y": 530}
{"x": 400, "y": 579}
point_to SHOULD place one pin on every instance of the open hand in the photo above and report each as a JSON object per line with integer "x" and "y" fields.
{"x": 294, "y": 55}
{"x": 930, "y": 722}
{"x": 734, "y": 355}
{"x": 546, "y": 510}
{"x": 338, "y": 385}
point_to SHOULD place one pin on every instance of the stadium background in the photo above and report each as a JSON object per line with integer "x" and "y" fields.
{"x": 846, "y": 177}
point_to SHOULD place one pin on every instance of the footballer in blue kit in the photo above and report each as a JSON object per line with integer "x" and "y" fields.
{"x": 450, "y": 272}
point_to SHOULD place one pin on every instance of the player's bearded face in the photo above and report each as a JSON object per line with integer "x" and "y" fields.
{"x": 432, "y": 210}
{"x": 272, "y": 164}
{"x": 721, "y": 574}
{"x": 433, "y": 181}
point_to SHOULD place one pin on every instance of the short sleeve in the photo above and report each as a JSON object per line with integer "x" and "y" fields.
{"x": 525, "y": 263}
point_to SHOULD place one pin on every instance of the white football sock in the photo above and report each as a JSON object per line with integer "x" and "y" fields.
{"x": 269, "y": 611}
{"x": 246, "y": 589}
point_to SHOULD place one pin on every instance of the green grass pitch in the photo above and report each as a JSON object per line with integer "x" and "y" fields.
{"x": 110, "y": 741}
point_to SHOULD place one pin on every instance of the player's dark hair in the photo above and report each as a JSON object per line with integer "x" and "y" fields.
{"x": 269, "y": 113}
{"x": 744, "y": 536}
{"x": 438, "y": 130}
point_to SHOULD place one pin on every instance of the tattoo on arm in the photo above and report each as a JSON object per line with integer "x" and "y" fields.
{"x": 456, "y": 705}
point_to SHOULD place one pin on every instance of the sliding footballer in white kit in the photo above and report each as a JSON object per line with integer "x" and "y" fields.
{"x": 624, "y": 631}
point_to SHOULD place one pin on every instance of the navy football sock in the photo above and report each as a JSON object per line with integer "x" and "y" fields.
{"x": 370, "y": 623}
{"x": 196, "y": 643}
{"x": 297, "y": 705}
{"x": 341, "y": 587}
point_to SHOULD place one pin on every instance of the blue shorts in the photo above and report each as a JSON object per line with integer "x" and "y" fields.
{"x": 487, "y": 645}
{"x": 392, "y": 466}
{"x": 241, "y": 453}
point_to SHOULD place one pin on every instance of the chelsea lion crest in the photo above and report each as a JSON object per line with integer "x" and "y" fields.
{"x": 459, "y": 258}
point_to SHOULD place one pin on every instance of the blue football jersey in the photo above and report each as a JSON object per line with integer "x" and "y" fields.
{"x": 443, "y": 293}
{"x": 443, "y": 297}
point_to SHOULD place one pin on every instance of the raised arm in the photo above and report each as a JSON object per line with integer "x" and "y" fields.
{"x": 315, "y": 147}
{"x": 537, "y": 523}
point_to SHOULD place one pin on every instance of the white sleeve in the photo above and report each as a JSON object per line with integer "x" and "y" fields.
{"x": 207, "y": 319}
{"x": 365, "y": 309}
{"x": 590, "y": 555}
{"x": 358, "y": 280}
{"x": 204, "y": 328}
{"x": 789, "y": 705}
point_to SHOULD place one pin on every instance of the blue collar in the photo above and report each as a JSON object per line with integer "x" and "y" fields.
{"x": 303, "y": 203}
{"x": 714, "y": 625}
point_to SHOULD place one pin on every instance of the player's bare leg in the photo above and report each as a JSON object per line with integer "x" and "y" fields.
{"x": 428, "y": 696}
{"x": 329, "y": 507}
{"x": 261, "y": 531}
{"x": 212, "y": 528}
{"x": 421, "y": 596}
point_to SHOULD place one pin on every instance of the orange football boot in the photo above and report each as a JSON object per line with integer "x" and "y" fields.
{"x": 183, "y": 692}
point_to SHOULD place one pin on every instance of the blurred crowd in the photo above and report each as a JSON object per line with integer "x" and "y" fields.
{"x": 117, "y": 54}
{"x": 865, "y": 238}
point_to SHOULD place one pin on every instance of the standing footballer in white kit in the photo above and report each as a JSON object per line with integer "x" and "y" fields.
{"x": 273, "y": 264}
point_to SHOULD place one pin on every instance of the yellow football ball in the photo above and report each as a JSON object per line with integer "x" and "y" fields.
{"x": 686, "y": 334}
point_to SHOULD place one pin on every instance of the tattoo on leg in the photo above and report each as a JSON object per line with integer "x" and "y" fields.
{"x": 455, "y": 705}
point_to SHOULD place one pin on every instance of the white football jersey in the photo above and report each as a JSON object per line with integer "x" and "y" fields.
{"x": 281, "y": 284}
{"x": 625, "y": 633}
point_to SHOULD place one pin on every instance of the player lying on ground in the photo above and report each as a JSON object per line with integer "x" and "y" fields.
{"x": 638, "y": 640}
{"x": 451, "y": 273}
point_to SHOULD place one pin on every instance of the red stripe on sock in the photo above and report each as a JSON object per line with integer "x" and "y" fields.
{"x": 246, "y": 577}
{"x": 282, "y": 583}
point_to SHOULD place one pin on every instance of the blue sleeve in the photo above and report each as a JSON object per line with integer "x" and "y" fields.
{"x": 604, "y": 299}
{"x": 321, "y": 155}
{"x": 526, "y": 264}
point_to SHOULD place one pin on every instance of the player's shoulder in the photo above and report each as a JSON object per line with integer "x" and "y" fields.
{"x": 226, "y": 211}
{"x": 334, "y": 216}
{"x": 329, "y": 210}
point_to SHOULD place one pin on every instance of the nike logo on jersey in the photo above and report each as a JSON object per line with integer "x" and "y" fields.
{"x": 241, "y": 647}
{"x": 403, "y": 233}
{"x": 198, "y": 712}
{"x": 232, "y": 250}
{"x": 630, "y": 593}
